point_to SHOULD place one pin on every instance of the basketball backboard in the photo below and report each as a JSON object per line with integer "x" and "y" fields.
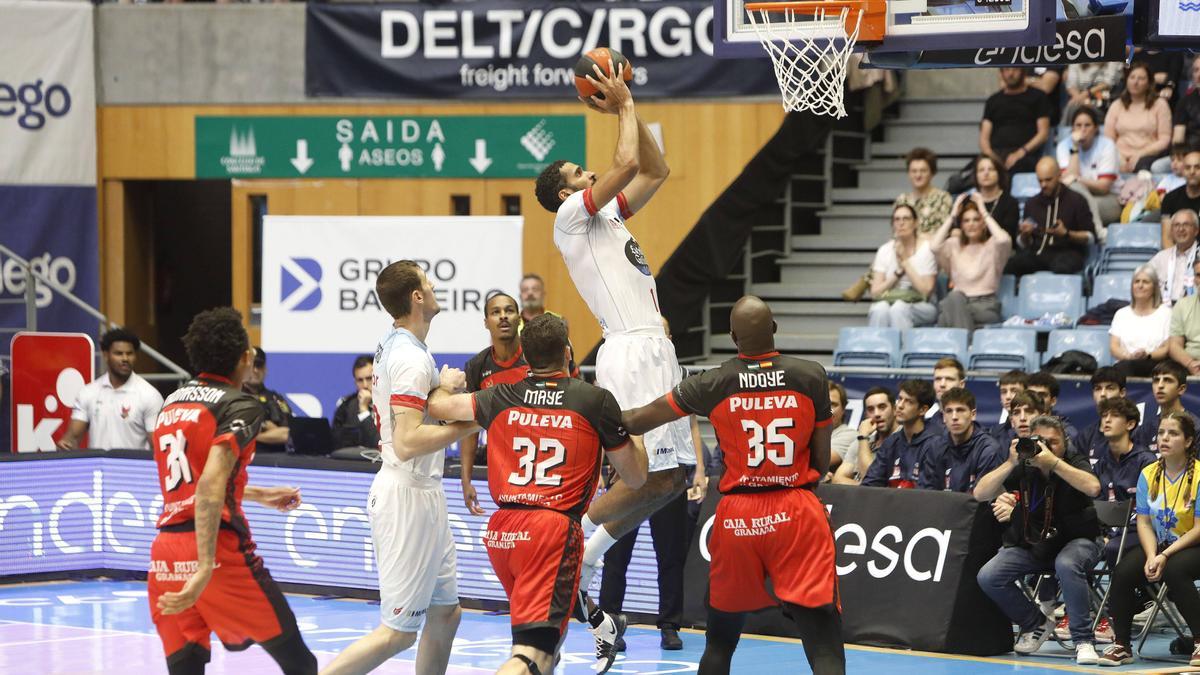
{"x": 1167, "y": 24}
{"x": 912, "y": 25}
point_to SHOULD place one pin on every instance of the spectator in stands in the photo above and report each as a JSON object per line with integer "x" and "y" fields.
{"x": 899, "y": 461}
{"x": 902, "y": 276}
{"x": 948, "y": 373}
{"x": 1139, "y": 122}
{"x": 1186, "y": 127}
{"x": 843, "y": 442}
{"x": 1168, "y": 383}
{"x": 354, "y": 421}
{"x": 1185, "y": 329}
{"x": 275, "y": 435}
{"x": 1107, "y": 382}
{"x": 1166, "y": 517}
{"x": 970, "y": 453}
{"x": 879, "y": 422}
{"x": 1063, "y": 541}
{"x": 1138, "y": 337}
{"x": 1046, "y": 385}
{"x": 1049, "y": 80}
{"x": 1091, "y": 84}
{"x": 117, "y": 410}
{"x": 1016, "y": 123}
{"x": 1173, "y": 265}
{"x": 1089, "y": 166}
{"x": 990, "y": 182}
{"x": 1054, "y": 235}
{"x": 1186, "y": 197}
{"x": 975, "y": 260}
{"x": 931, "y": 204}
{"x": 1175, "y": 178}
{"x": 1022, "y": 410}
{"x": 1010, "y": 384}
{"x": 533, "y": 299}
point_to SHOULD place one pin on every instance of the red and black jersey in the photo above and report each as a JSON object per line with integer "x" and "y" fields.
{"x": 544, "y": 440}
{"x": 484, "y": 371}
{"x": 206, "y": 411}
{"x": 763, "y": 409}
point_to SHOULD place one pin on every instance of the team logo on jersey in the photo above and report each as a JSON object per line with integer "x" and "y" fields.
{"x": 125, "y": 412}
{"x": 300, "y": 284}
{"x": 636, "y": 258}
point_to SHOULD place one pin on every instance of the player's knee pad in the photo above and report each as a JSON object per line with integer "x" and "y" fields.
{"x": 188, "y": 661}
{"x": 293, "y": 656}
{"x": 533, "y": 667}
{"x": 541, "y": 639}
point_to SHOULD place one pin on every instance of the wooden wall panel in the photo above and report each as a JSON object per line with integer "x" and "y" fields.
{"x": 707, "y": 144}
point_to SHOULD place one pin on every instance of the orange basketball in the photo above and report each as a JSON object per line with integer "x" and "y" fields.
{"x": 599, "y": 56}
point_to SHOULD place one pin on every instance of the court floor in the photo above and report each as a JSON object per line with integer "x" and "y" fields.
{"x": 104, "y": 627}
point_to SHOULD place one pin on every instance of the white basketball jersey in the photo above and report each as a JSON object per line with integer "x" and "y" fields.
{"x": 607, "y": 265}
{"x": 404, "y": 376}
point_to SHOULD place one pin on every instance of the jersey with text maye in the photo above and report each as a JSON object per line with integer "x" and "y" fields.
{"x": 607, "y": 265}
{"x": 764, "y": 410}
{"x": 206, "y": 411}
{"x": 544, "y": 440}
{"x": 404, "y": 376}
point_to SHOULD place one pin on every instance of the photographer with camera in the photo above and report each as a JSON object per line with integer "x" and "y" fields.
{"x": 1166, "y": 527}
{"x": 1052, "y": 528}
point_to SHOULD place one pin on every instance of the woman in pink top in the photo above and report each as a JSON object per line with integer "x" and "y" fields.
{"x": 1139, "y": 122}
{"x": 975, "y": 260}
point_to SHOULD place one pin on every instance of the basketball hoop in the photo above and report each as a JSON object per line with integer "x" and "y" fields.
{"x": 811, "y": 64}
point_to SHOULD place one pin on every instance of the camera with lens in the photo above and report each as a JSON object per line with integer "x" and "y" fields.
{"x": 1027, "y": 448}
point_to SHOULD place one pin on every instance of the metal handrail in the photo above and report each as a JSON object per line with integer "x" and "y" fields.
{"x": 31, "y": 314}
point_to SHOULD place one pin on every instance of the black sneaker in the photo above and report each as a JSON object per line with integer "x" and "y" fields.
{"x": 606, "y": 636}
{"x": 670, "y": 640}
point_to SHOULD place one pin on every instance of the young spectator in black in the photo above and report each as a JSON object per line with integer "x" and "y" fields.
{"x": 1016, "y": 123}
{"x": 991, "y": 182}
{"x": 1168, "y": 382}
{"x": 1186, "y": 196}
{"x": 1046, "y": 386}
{"x": 1054, "y": 235}
{"x": 1186, "y": 120}
{"x": 878, "y": 424}
{"x": 354, "y": 423}
{"x": 1107, "y": 382}
{"x": 1049, "y": 80}
{"x": 1011, "y": 383}
{"x": 970, "y": 453}
{"x": 948, "y": 373}
{"x": 899, "y": 460}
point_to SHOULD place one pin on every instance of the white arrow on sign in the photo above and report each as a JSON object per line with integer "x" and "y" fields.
{"x": 481, "y": 161}
{"x": 301, "y": 161}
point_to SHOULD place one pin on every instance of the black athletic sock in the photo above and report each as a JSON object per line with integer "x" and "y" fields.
{"x": 821, "y": 632}
{"x": 293, "y": 656}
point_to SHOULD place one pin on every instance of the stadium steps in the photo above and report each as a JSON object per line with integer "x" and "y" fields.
{"x": 942, "y": 109}
{"x": 822, "y": 276}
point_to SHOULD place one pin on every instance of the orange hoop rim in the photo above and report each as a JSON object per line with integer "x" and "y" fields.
{"x": 872, "y": 14}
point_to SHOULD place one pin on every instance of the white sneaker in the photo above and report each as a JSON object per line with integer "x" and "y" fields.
{"x": 1051, "y": 608}
{"x": 1085, "y": 654}
{"x": 1160, "y": 619}
{"x": 606, "y": 636}
{"x": 1028, "y": 643}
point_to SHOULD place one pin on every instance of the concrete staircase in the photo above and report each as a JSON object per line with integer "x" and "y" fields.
{"x": 805, "y": 287}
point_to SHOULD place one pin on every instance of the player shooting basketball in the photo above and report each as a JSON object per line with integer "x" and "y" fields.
{"x": 637, "y": 362}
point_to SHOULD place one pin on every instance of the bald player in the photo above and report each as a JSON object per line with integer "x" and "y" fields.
{"x": 773, "y": 423}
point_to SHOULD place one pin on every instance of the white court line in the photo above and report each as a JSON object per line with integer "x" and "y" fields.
{"x": 68, "y": 639}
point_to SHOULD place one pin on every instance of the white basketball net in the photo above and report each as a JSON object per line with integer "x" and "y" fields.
{"x": 811, "y": 72}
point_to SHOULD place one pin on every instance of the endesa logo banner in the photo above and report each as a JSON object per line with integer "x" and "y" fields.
{"x": 49, "y": 369}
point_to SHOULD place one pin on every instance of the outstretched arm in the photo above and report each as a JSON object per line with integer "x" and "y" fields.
{"x": 640, "y": 420}
{"x": 618, "y": 101}
{"x": 652, "y": 171}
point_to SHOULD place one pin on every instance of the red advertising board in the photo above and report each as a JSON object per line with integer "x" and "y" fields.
{"x": 48, "y": 370}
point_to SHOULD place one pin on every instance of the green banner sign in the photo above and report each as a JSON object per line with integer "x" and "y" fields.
{"x": 449, "y": 146}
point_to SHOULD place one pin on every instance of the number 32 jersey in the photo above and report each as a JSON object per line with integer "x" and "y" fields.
{"x": 206, "y": 411}
{"x": 764, "y": 410}
{"x": 544, "y": 441}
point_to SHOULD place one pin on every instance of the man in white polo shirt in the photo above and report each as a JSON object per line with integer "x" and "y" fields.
{"x": 118, "y": 409}
{"x": 1089, "y": 167}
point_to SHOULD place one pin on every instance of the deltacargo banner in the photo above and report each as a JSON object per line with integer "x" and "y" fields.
{"x": 507, "y": 49}
{"x": 98, "y": 512}
{"x": 48, "y": 161}
{"x": 320, "y": 311}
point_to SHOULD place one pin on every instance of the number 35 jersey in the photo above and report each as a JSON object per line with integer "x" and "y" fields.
{"x": 544, "y": 438}
{"x": 206, "y": 411}
{"x": 764, "y": 410}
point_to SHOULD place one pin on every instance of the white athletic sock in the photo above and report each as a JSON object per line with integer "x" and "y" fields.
{"x": 593, "y": 551}
{"x": 588, "y": 526}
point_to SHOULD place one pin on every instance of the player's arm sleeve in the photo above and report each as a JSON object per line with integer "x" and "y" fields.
{"x": 819, "y": 395}
{"x": 610, "y": 427}
{"x": 81, "y": 405}
{"x": 411, "y": 380}
{"x": 154, "y": 404}
{"x": 239, "y": 424}
{"x": 483, "y": 404}
{"x": 574, "y": 216}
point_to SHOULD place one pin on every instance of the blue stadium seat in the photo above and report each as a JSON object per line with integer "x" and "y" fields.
{"x": 867, "y": 347}
{"x": 1093, "y": 342}
{"x": 1003, "y": 349}
{"x": 1025, "y": 185}
{"x": 1008, "y": 296}
{"x": 1129, "y": 245}
{"x": 924, "y": 346}
{"x": 1105, "y": 287}
{"x": 1050, "y": 293}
